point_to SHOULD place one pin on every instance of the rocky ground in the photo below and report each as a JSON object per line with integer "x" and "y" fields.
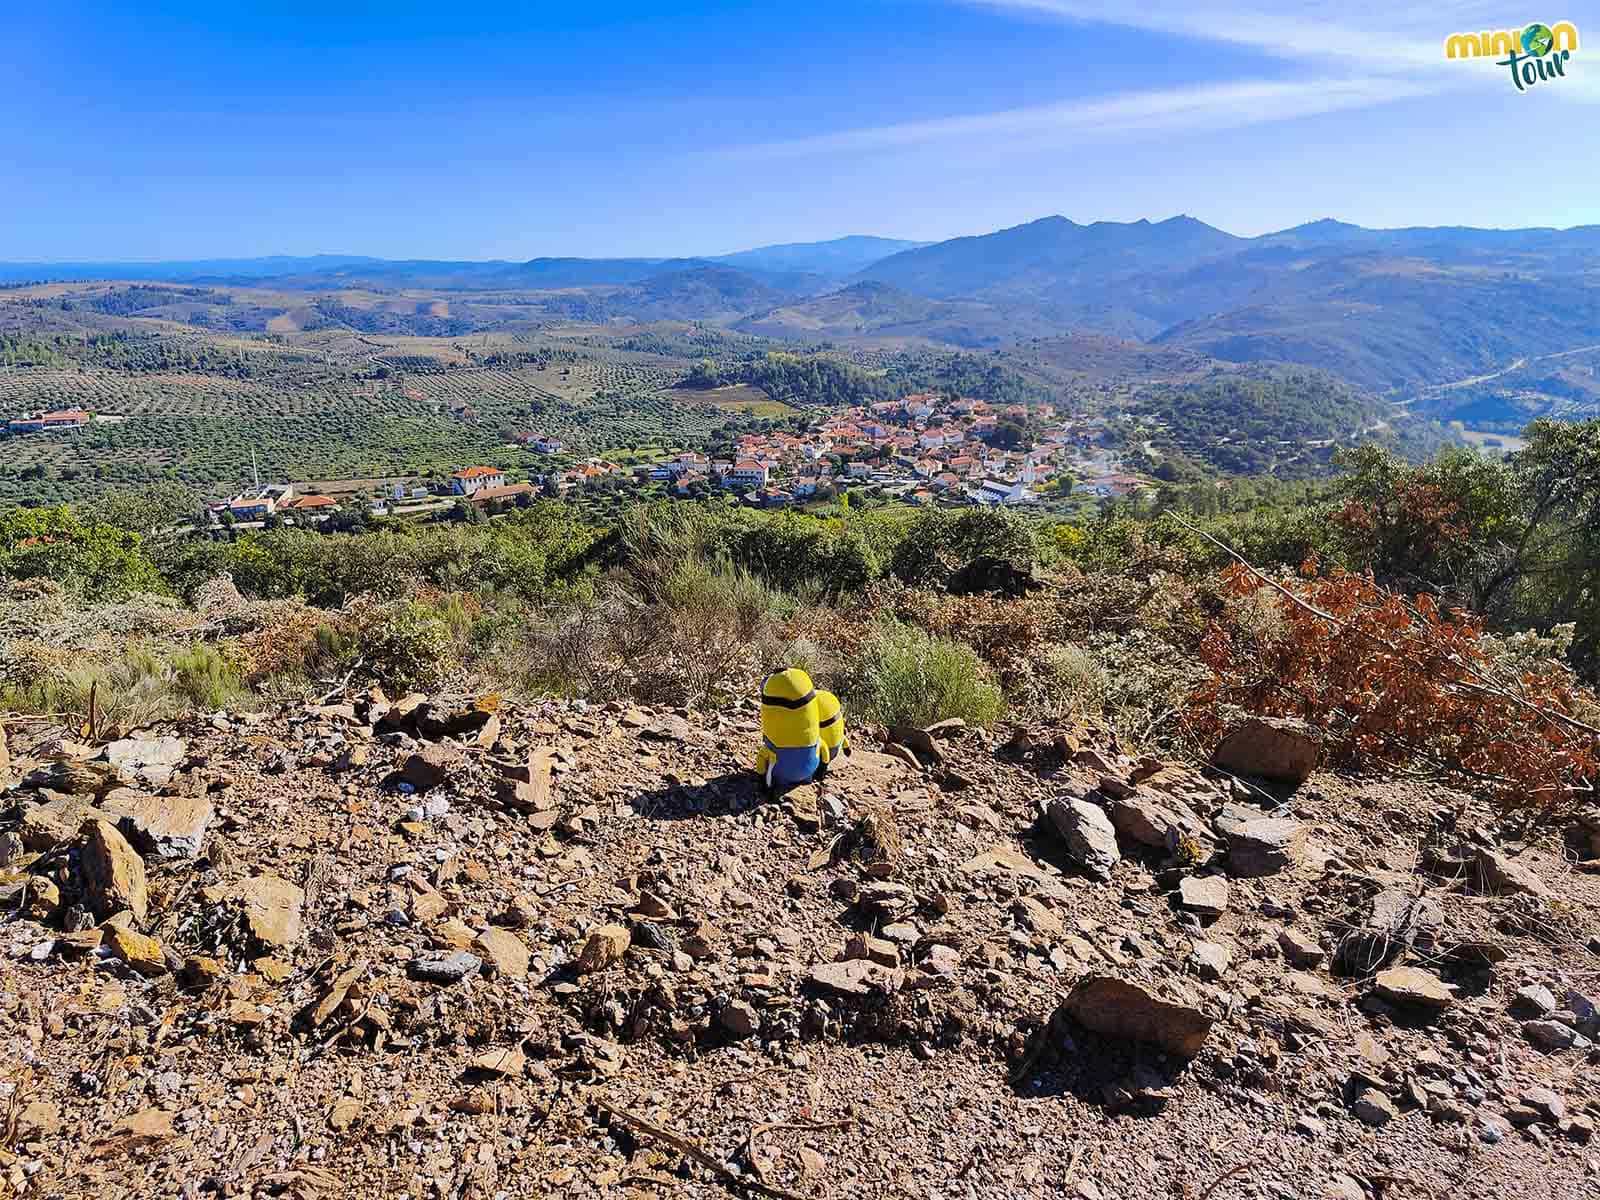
{"x": 434, "y": 948}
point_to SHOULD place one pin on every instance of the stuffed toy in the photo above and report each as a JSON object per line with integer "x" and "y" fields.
{"x": 830, "y": 720}
{"x": 791, "y": 735}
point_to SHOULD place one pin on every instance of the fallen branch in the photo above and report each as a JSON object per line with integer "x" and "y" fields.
{"x": 1476, "y": 682}
{"x": 692, "y": 1150}
{"x": 1221, "y": 1179}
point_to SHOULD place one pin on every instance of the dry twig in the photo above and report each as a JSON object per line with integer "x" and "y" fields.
{"x": 1223, "y": 1178}
{"x": 700, "y": 1155}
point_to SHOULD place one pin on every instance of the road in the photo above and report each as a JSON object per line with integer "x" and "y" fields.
{"x": 1515, "y": 366}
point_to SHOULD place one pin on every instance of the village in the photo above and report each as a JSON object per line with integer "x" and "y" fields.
{"x": 922, "y": 449}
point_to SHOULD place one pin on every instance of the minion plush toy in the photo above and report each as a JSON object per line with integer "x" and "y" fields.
{"x": 830, "y": 721}
{"x": 791, "y": 735}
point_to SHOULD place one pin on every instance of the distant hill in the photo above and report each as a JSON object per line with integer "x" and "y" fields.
{"x": 833, "y": 259}
{"x": 836, "y": 259}
{"x": 1085, "y": 357}
{"x": 184, "y": 270}
{"x": 700, "y": 293}
{"x": 1386, "y": 309}
{"x": 1049, "y": 257}
{"x": 1394, "y": 310}
{"x": 1401, "y": 323}
{"x": 878, "y": 312}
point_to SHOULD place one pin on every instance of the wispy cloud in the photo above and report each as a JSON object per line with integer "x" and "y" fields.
{"x": 1379, "y": 36}
{"x": 1131, "y": 115}
{"x": 1362, "y": 53}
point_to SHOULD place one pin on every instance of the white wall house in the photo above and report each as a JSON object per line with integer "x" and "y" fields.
{"x": 473, "y": 479}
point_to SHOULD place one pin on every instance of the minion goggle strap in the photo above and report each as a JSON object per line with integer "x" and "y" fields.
{"x": 781, "y": 702}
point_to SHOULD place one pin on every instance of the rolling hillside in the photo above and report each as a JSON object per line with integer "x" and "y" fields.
{"x": 1050, "y": 258}
{"x": 1393, "y": 310}
{"x": 878, "y": 312}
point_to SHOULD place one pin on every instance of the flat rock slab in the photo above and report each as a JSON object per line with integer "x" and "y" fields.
{"x": 44, "y": 826}
{"x": 147, "y": 761}
{"x": 1090, "y": 837}
{"x": 1412, "y": 986}
{"x": 163, "y": 826}
{"x": 1207, "y": 896}
{"x": 856, "y": 977}
{"x": 1210, "y": 960}
{"x": 113, "y": 873}
{"x": 669, "y": 728}
{"x": 73, "y": 777}
{"x": 603, "y": 948}
{"x": 1265, "y": 846}
{"x": 1301, "y": 949}
{"x": 506, "y": 951}
{"x": 1003, "y": 858}
{"x": 431, "y": 766}
{"x": 1275, "y": 748}
{"x": 1504, "y": 876}
{"x": 270, "y": 906}
{"x": 1155, "y": 823}
{"x": 1119, "y": 1008}
{"x": 861, "y": 771}
{"x": 445, "y": 968}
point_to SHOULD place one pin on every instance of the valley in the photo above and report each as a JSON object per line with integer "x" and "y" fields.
{"x": 339, "y": 367}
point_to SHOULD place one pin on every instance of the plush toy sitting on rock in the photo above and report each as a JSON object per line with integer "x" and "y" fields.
{"x": 792, "y": 745}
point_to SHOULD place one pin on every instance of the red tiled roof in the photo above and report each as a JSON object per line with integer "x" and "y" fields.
{"x": 476, "y": 473}
{"x": 484, "y": 495}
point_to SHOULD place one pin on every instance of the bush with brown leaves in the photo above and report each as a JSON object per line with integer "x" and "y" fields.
{"x": 1396, "y": 681}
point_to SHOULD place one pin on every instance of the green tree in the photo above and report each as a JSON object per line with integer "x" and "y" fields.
{"x": 96, "y": 560}
{"x": 147, "y": 511}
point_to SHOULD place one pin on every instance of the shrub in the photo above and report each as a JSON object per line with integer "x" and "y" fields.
{"x": 202, "y": 676}
{"x": 143, "y": 683}
{"x": 563, "y": 654}
{"x": 905, "y": 676}
{"x": 978, "y": 549}
{"x": 402, "y": 645}
{"x": 701, "y": 636}
{"x": 1395, "y": 681}
{"x": 1131, "y": 683}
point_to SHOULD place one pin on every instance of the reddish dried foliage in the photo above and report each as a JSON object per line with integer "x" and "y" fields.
{"x": 1394, "y": 681}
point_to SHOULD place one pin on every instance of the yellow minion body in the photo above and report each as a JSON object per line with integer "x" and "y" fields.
{"x": 830, "y": 722}
{"x": 791, "y": 736}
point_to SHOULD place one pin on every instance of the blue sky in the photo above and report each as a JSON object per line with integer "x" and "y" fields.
{"x": 463, "y": 130}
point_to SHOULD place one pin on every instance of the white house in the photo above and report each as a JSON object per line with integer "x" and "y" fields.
{"x": 260, "y": 502}
{"x": 747, "y": 473}
{"x": 1001, "y": 491}
{"x": 686, "y": 464}
{"x": 465, "y": 483}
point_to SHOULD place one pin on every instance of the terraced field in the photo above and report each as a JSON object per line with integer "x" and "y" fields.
{"x": 202, "y": 429}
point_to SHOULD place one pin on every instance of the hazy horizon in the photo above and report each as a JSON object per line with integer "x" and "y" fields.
{"x": 668, "y": 256}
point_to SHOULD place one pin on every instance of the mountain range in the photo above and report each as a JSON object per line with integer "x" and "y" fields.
{"x": 1392, "y": 310}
